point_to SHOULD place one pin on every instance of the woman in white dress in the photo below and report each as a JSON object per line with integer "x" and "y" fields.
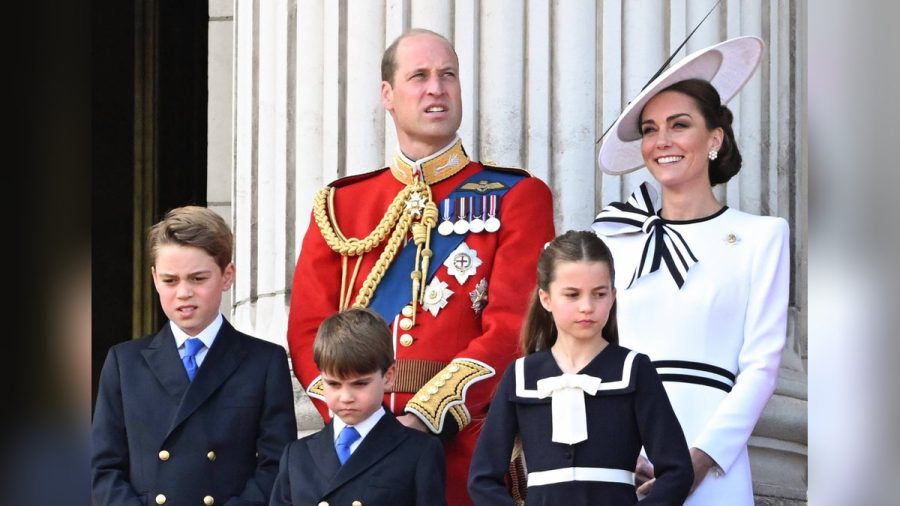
{"x": 704, "y": 288}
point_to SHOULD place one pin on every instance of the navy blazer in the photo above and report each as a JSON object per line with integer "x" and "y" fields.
{"x": 394, "y": 465}
{"x": 159, "y": 438}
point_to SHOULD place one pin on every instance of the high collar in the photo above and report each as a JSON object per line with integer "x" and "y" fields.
{"x": 436, "y": 167}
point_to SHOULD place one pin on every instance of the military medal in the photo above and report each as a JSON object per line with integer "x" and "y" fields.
{"x": 462, "y": 262}
{"x": 492, "y": 224}
{"x": 461, "y": 226}
{"x": 415, "y": 204}
{"x": 479, "y": 296}
{"x": 446, "y": 226}
{"x": 436, "y": 295}
{"x": 477, "y": 223}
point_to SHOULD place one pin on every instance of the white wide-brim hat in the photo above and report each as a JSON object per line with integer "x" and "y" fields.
{"x": 727, "y": 66}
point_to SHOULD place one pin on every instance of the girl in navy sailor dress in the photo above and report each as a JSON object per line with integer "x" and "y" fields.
{"x": 582, "y": 406}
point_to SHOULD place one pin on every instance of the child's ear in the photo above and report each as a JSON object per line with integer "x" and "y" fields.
{"x": 389, "y": 376}
{"x": 153, "y": 275}
{"x": 544, "y": 298}
{"x": 228, "y": 276}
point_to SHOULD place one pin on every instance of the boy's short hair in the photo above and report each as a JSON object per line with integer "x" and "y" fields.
{"x": 353, "y": 342}
{"x": 193, "y": 226}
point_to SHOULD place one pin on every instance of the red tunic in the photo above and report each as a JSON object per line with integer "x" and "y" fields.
{"x": 490, "y": 338}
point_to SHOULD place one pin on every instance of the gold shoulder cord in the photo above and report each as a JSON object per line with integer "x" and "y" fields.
{"x": 412, "y": 207}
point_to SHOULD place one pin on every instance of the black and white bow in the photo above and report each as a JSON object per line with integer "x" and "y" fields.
{"x": 664, "y": 244}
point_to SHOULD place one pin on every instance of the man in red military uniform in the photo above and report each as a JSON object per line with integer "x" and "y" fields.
{"x": 444, "y": 248}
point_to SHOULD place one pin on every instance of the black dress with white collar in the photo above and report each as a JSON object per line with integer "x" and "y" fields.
{"x": 629, "y": 410}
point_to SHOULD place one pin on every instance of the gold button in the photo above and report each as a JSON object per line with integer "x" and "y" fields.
{"x": 446, "y": 375}
{"x": 406, "y": 324}
{"x": 211, "y": 456}
{"x": 356, "y": 503}
{"x": 424, "y": 398}
{"x": 208, "y": 500}
{"x": 407, "y": 311}
{"x": 454, "y": 368}
{"x": 433, "y": 390}
{"x": 160, "y": 499}
{"x": 439, "y": 383}
{"x": 323, "y": 503}
{"x": 406, "y": 340}
{"x": 164, "y": 455}
{"x": 731, "y": 238}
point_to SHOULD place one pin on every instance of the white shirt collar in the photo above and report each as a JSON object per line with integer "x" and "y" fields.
{"x": 207, "y": 335}
{"x": 363, "y": 427}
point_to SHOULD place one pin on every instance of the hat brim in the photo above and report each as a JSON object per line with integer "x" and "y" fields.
{"x": 727, "y": 66}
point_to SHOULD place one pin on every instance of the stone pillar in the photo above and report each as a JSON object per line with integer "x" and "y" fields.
{"x": 501, "y": 82}
{"x": 572, "y": 97}
{"x": 220, "y": 133}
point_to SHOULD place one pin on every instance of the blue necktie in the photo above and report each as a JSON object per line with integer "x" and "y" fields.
{"x": 347, "y": 437}
{"x": 191, "y": 347}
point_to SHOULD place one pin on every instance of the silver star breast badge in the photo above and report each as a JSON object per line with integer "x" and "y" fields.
{"x": 462, "y": 262}
{"x": 436, "y": 295}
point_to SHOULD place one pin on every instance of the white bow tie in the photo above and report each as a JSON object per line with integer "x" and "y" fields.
{"x": 567, "y": 404}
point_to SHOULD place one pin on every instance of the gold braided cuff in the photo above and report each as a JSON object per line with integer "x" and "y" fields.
{"x": 316, "y": 389}
{"x": 445, "y": 394}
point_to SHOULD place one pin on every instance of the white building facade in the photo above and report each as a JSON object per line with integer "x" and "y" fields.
{"x": 294, "y": 103}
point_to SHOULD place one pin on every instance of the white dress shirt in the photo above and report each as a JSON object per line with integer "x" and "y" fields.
{"x": 207, "y": 335}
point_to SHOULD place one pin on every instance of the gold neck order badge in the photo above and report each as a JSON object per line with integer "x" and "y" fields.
{"x": 412, "y": 208}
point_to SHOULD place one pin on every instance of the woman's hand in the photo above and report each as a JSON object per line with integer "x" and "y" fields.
{"x": 643, "y": 476}
{"x": 702, "y": 464}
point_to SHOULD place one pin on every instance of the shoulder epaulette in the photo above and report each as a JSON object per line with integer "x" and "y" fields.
{"x": 344, "y": 181}
{"x": 510, "y": 170}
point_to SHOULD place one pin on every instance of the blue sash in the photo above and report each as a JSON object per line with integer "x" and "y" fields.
{"x": 395, "y": 289}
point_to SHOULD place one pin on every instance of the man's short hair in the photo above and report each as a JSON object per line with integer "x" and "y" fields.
{"x": 353, "y": 342}
{"x": 389, "y": 60}
{"x": 193, "y": 226}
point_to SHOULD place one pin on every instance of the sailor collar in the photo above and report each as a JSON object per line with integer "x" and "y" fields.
{"x": 434, "y": 168}
{"x": 614, "y": 366}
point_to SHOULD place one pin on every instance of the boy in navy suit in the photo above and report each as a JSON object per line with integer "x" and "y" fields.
{"x": 363, "y": 455}
{"x": 199, "y": 412}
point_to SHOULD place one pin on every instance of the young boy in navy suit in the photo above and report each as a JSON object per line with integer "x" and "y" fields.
{"x": 363, "y": 455}
{"x": 199, "y": 412}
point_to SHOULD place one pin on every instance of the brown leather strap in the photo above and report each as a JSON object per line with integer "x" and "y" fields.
{"x": 412, "y": 374}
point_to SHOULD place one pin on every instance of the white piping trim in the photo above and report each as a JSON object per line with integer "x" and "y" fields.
{"x": 523, "y": 392}
{"x": 567, "y": 474}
